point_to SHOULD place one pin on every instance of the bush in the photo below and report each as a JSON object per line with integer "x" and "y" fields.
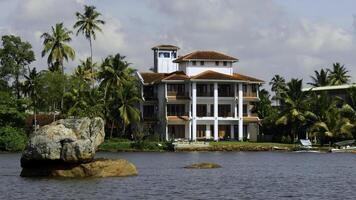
{"x": 12, "y": 139}
{"x": 145, "y": 145}
{"x": 286, "y": 139}
{"x": 152, "y": 138}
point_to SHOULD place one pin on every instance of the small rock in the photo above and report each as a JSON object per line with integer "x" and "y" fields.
{"x": 96, "y": 168}
{"x": 203, "y": 166}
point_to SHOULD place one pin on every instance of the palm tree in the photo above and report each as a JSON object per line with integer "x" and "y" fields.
{"x": 113, "y": 73}
{"x": 278, "y": 84}
{"x": 294, "y": 112}
{"x": 129, "y": 99}
{"x": 84, "y": 70}
{"x": 320, "y": 78}
{"x": 30, "y": 85}
{"x": 56, "y": 45}
{"x": 338, "y": 75}
{"x": 88, "y": 23}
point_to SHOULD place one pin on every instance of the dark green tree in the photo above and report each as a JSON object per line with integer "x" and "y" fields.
{"x": 338, "y": 75}
{"x": 320, "y": 79}
{"x": 15, "y": 55}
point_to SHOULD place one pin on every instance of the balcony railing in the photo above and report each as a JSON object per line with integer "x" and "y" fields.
{"x": 177, "y": 94}
{"x": 250, "y": 94}
{"x": 225, "y": 114}
{"x": 205, "y": 114}
{"x": 177, "y": 113}
{"x": 226, "y": 94}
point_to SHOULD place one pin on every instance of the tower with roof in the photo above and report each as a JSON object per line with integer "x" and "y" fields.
{"x": 163, "y": 57}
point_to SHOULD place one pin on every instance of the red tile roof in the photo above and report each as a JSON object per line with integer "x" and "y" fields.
{"x": 206, "y": 55}
{"x": 165, "y": 47}
{"x": 152, "y": 78}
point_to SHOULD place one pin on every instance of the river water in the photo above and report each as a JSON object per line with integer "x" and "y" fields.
{"x": 244, "y": 175}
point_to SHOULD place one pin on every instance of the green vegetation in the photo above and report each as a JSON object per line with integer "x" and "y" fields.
{"x": 115, "y": 145}
{"x": 316, "y": 115}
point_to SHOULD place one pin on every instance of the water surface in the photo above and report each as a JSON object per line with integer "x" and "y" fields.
{"x": 244, "y": 175}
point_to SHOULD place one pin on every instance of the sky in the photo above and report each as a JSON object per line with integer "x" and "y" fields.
{"x": 291, "y": 38}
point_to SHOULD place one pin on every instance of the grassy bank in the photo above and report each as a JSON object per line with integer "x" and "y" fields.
{"x": 123, "y": 145}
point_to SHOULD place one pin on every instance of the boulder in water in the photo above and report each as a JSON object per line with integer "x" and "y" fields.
{"x": 203, "y": 166}
{"x": 65, "y": 140}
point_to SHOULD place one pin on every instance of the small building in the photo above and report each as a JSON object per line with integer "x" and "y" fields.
{"x": 340, "y": 91}
{"x": 198, "y": 97}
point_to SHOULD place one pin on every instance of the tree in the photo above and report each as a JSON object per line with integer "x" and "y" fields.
{"x": 55, "y": 44}
{"x": 320, "y": 79}
{"x": 113, "y": 73}
{"x": 278, "y": 84}
{"x": 15, "y": 55}
{"x": 30, "y": 89}
{"x": 85, "y": 71}
{"x": 129, "y": 99}
{"x": 87, "y": 24}
{"x": 338, "y": 75}
{"x": 294, "y": 113}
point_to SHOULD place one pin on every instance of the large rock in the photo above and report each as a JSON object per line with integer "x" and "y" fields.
{"x": 65, "y": 140}
{"x": 96, "y": 168}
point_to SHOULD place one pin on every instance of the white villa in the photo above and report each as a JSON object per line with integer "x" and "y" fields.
{"x": 198, "y": 97}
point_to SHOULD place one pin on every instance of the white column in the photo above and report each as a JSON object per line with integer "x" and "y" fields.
{"x": 194, "y": 111}
{"x": 232, "y": 133}
{"x": 167, "y": 136}
{"x": 216, "y": 110}
{"x": 240, "y": 112}
{"x": 207, "y": 132}
{"x": 190, "y": 130}
{"x": 235, "y": 103}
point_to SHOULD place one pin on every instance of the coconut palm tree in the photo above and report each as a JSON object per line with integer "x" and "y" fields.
{"x": 113, "y": 73}
{"x": 129, "y": 99}
{"x": 294, "y": 112}
{"x": 55, "y": 44}
{"x": 320, "y": 78}
{"x": 278, "y": 84}
{"x": 338, "y": 75}
{"x": 88, "y": 23}
{"x": 85, "y": 70}
{"x": 30, "y": 90}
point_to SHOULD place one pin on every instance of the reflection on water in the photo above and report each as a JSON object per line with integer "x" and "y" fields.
{"x": 244, "y": 175}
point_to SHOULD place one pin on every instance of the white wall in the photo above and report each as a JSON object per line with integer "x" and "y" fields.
{"x": 191, "y": 70}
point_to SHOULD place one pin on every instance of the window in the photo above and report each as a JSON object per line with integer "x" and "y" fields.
{"x": 176, "y": 110}
{"x": 174, "y": 54}
{"x": 225, "y": 63}
{"x": 201, "y": 110}
{"x": 254, "y": 88}
{"x": 225, "y": 90}
{"x": 176, "y": 131}
{"x": 244, "y": 110}
{"x": 164, "y": 55}
{"x": 202, "y": 63}
{"x": 201, "y": 131}
{"x": 244, "y": 88}
{"x": 176, "y": 89}
{"x": 148, "y": 111}
{"x": 224, "y": 110}
{"x": 217, "y": 63}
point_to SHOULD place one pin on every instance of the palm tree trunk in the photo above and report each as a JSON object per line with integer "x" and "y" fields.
{"x": 91, "y": 61}
{"x": 17, "y": 86}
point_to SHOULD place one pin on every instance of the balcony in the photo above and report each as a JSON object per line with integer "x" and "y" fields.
{"x": 226, "y": 114}
{"x": 205, "y": 114}
{"x": 152, "y": 117}
{"x": 177, "y": 116}
{"x": 150, "y": 96}
{"x": 174, "y": 95}
{"x": 250, "y": 94}
{"x": 205, "y": 94}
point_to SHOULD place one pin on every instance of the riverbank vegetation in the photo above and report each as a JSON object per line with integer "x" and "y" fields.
{"x": 300, "y": 114}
